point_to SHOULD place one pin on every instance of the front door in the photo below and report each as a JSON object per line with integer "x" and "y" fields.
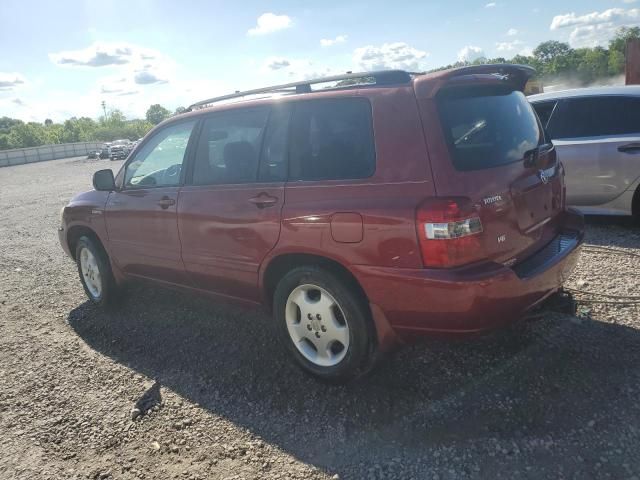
{"x": 229, "y": 213}
{"x": 141, "y": 216}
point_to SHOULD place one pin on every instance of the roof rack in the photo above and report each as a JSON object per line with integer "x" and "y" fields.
{"x": 386, "y": 77}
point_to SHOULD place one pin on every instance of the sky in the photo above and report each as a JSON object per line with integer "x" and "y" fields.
{"x": 64, "y": 58}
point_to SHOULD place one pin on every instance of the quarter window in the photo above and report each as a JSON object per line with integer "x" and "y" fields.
{"x": 159, "y": 162}
{"x": 332, "y": 139}
{"x": 229, "y": 147}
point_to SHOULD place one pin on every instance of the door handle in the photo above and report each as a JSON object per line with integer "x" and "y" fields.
{"x": 263, "y": 200}
{"x": 629, "y": 148}
{"x": 166, "y": 202}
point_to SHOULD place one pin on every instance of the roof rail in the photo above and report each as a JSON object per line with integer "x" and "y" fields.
{"x": 386, "y": 77}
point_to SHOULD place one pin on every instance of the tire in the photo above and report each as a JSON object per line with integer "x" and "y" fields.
{"x": 95, "y": 273}
{"x": 314, "y": 308}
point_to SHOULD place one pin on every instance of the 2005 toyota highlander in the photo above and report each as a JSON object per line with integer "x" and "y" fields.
{"x": 360, "y": 215}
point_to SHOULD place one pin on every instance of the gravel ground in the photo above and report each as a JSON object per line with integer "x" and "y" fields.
{"x": 552, "y": 398}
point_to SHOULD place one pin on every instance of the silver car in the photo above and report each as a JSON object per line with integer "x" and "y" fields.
{"x": 596, "y": 132}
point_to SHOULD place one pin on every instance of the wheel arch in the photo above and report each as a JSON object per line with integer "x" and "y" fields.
{"x": 76, "y": 231}
{"x": 278, "y": 266}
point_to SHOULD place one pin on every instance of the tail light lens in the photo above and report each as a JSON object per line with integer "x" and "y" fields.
{"x": 449, "y": 232}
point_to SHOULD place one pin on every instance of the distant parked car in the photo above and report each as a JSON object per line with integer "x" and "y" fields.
{"x": 120, "y": 149}
{"x": 597, "y": 134}
{"x": 93, "y": 154}
{"x": 104, "y": 152}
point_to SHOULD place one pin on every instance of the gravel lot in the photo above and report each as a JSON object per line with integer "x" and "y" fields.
{"x": 555, "y": 397}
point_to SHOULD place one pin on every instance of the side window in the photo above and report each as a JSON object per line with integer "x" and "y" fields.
{"x": 273, "y": 160}
{"x": 544, "y": 111}
{"x": 331, "y": 139}
{"x": 159, "y": 162}
{"x": 596, "y": 116}
{"x": 229, "y": 147}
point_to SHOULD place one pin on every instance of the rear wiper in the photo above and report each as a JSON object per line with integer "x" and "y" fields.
{"x": 476, "y": 128}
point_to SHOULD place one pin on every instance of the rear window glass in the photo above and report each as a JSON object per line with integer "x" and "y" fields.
{"x": 487, "y": 126}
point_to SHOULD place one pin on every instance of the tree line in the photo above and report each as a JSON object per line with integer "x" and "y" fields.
{"x": 557, "y": 62}
{"x": 112, "y": 126}
{"x": 554, "y": 61}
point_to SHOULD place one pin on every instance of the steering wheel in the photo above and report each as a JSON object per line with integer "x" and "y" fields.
{"x": 171, "y": 174}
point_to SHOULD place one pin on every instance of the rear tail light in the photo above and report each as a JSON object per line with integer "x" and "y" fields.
{"x": 449, "y": 232}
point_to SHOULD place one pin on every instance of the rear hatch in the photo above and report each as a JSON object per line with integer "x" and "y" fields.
{"x": 489, "y": 151}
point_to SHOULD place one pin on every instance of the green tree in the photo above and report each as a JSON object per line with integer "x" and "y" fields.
{"x": 619, "y": 41}
{"x": 179, "y": 110}
{"x": 157, "y": 113}
{"x": 548, "y": 51}
{"x": 592, "y": 64}
{"x": 6, "y": 123}
{"x": 30, "y": 134}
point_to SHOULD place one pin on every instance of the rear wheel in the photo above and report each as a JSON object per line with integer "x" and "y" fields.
{"x": 95, "y": 272}
{"x": 324, "y": 323}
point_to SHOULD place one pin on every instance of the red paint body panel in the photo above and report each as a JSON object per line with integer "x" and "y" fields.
{"x": 225, "y": 237}
{"x": 460, "y": 301}
{"x": 143, "y": 236}
{"x": 346, "y": 227}
{"x": 217, "y": 241}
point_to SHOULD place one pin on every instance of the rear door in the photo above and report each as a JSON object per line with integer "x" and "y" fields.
{"x": 488, "y": 146}
{"x": 229, "y": 213}
{"x": 598, "y": 141}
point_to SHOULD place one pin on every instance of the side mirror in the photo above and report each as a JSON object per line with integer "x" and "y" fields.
{"x": 103, "y": 180}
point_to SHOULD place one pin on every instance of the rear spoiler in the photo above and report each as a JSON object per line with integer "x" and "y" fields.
{"x": 516, "y": 75}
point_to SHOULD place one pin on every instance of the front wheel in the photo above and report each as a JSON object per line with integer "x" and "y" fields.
{"x": 95, "y": 272}
{"x": 324, "y": 322}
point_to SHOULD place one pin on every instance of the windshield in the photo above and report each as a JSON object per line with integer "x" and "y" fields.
{"x": 487, "y": 126}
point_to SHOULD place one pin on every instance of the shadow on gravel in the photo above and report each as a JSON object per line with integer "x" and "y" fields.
{"x": 555, "y": 378}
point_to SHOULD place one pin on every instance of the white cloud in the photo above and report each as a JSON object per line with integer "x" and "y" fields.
{"x": 328, "y": 42}
{"x": 135, "y": 66}
{"x": 470, "y": 53}
{"x": 269, "y": 23}
{"x": 512, "y": 32}
{"x": 618, "y": 15}
{"x": 389, "y": 56}
{"x": 490, "y": 5}
{"x": 276, "y": 63}
{"x": 629, "y": 1}
{"x": 103, "y": 54}
{"x": 595, "y": 28}
{"x": 148, "y": 77}
{"x": 9, "y": 81}
{"x": 526, "y": 51}
{"x": 508, "y": 46}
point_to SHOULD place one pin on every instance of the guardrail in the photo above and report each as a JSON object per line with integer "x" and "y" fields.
{"x": 19, "y": 156}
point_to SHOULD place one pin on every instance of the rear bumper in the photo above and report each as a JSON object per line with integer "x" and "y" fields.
{"x": 471, "y": 300}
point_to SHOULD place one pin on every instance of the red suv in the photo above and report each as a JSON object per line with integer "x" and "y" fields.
{"x": 384, "y": 206}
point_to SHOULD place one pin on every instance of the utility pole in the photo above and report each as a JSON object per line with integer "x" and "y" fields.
{"x": 104, "y": 109}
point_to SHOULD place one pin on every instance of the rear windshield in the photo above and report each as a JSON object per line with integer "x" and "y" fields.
{"x": 487, "y": 126}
